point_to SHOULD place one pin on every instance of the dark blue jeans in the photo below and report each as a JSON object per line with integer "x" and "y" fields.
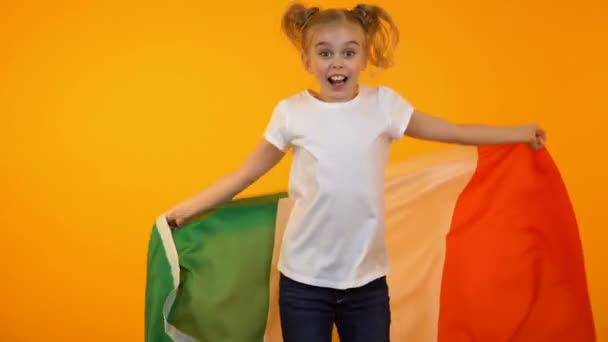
{"x": 308, "y": 313}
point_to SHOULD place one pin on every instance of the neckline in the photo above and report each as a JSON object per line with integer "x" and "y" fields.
{"x": 350, "y": 102}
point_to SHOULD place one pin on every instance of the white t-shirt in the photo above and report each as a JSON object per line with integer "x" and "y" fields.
{"x": 335, "y": 235}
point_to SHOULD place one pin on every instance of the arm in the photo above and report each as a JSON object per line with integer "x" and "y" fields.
{"x": 263, "y": 158}
{"x": 427, "y": 127}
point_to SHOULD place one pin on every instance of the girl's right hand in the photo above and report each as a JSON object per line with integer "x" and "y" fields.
{"x": 176, "y": 217}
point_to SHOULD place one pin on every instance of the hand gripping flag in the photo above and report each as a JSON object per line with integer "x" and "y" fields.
{"x": 483, "y": 243}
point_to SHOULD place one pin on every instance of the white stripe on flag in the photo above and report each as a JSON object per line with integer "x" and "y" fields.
{"x": 171, "y": 252}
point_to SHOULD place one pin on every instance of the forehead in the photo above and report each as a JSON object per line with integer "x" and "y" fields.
{"x": 337, "y": 34}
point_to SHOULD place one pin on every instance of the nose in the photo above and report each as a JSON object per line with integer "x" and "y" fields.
{"x": 337, "y": 63}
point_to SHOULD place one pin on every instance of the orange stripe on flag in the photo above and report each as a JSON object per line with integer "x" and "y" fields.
{"x": 514, "y": 267}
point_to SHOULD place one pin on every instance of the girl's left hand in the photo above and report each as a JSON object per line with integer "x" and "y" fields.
{"x": 534, "y": 136}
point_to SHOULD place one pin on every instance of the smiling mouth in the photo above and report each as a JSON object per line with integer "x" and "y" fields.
{"x": 337, "y": 79}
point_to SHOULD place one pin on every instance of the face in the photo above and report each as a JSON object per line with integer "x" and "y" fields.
{"x": 336, "y": 56}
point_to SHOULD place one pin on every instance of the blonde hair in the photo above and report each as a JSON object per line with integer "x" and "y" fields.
{"x": 381, "y": 33}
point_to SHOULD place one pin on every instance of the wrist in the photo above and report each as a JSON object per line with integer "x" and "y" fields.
{"x": 521, "y": 134}
{"x": 188, "y": 210}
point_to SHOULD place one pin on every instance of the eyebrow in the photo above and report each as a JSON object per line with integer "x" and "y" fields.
{"x": 347, "y": 43}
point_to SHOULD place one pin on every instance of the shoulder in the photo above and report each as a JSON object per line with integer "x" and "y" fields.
{"x": 388, "y": 97}
{"x": 383, "y": 95}
{"x": 387, "y": 94}
{"x": 292, "y": 101}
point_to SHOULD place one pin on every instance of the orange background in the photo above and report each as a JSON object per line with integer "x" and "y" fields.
{"x": 113, "y": 111}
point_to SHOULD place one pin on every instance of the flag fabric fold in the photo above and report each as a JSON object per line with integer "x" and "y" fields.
{"x": 483, "y": 243}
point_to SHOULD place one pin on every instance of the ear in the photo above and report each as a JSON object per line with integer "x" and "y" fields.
{"x": 306, "y": 62}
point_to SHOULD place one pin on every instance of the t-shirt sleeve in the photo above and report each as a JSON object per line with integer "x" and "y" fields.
{"x": 276, "y": 130}
{"x": 399, "y": 112}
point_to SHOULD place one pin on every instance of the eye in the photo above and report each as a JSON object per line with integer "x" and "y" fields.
{"x": 325, "y": 53}
{"x": 350, "y": 53}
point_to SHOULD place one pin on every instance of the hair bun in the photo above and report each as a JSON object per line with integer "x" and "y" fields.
{"x": 300, "y": 15}
{"x": 365, "y": 13}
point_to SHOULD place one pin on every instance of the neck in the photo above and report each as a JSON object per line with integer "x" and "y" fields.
{"x": 327, "y": 96}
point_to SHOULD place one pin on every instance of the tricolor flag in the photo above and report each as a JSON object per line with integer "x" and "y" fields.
{"x": 483, "y": 243}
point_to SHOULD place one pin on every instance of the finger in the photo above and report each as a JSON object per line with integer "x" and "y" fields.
{"x": 539, "y": 134}
{"x": 534, "y": 144}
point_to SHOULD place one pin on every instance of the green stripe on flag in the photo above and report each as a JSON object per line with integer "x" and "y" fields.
{"x": 223, "y": 263}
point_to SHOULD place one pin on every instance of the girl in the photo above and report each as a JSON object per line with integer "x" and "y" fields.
{"x": 333, "y": 260}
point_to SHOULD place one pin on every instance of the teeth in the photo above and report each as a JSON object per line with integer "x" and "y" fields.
{"x": 338, "y": 78}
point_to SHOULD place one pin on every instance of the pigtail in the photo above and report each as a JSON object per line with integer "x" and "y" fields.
{"x": 382, "y": 34}
{"x": 295, "y": 20}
